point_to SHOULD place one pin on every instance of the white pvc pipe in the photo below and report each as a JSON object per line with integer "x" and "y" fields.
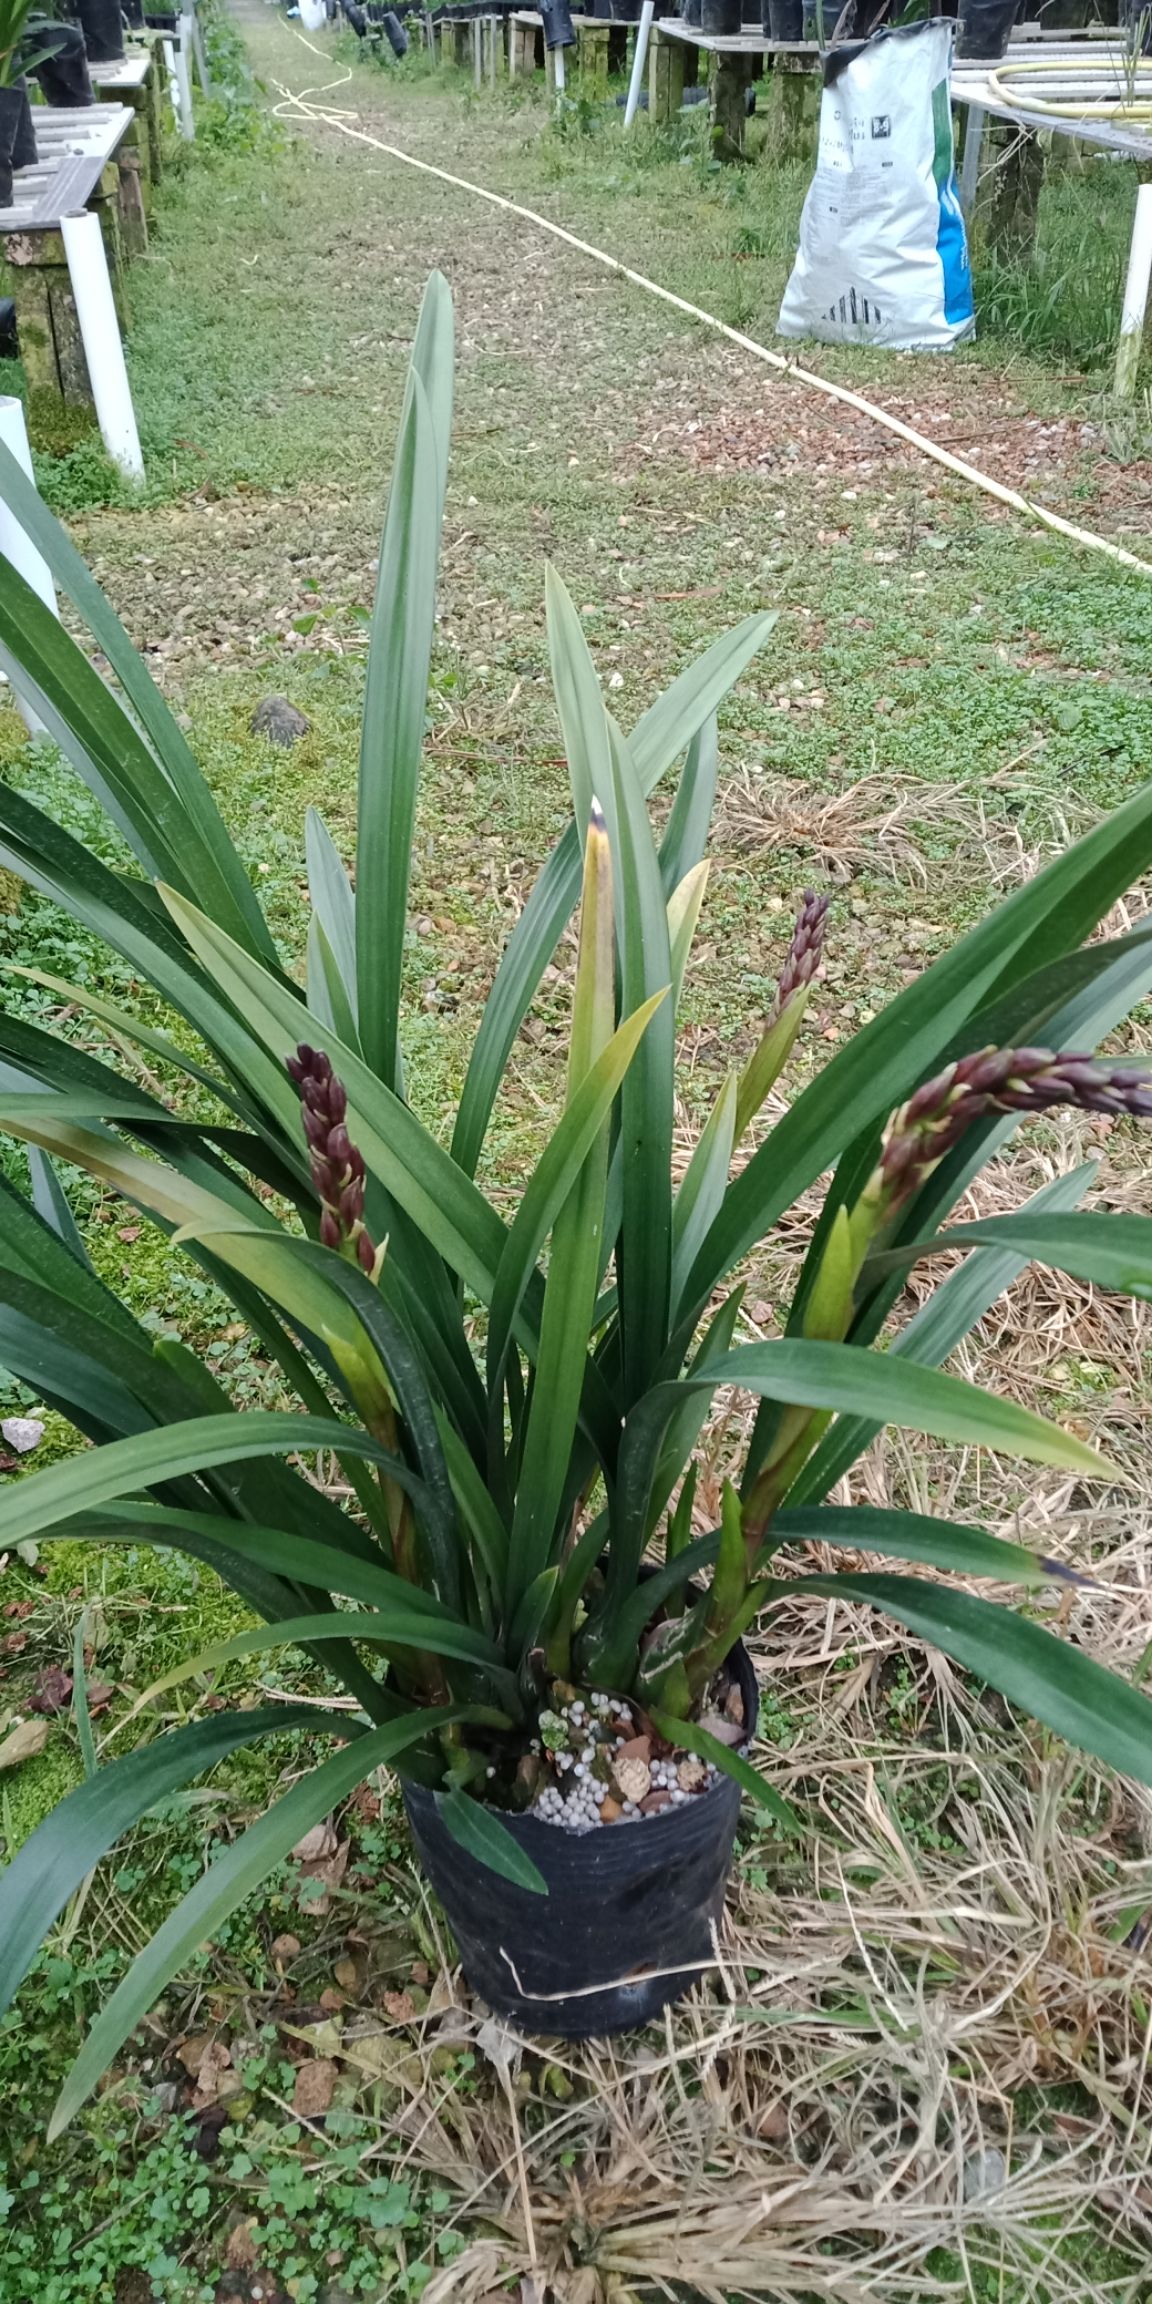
{"x": 639, "y": 60}
{"x": 186, "y": 123}
{"x": 100, "y": 333}
{"x": 558, "y": 70}
{"x": 1135, "y": 296}
{"x": 15, "y": 543}
{"x": 173, "y": 83}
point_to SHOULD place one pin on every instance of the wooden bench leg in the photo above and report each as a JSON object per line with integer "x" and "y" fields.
{"x": 1007, "y": 220}
{"x": 795, "y": 141}
{"x": 665, "y": 76}
{"x": 60, "y": 404}
{"x": 131, "y": 208}
{"x": 592, "y": 58}
{"x": 729, "y": 113}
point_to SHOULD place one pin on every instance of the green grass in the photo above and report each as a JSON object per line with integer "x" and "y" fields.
{"x": 980, "y": 686}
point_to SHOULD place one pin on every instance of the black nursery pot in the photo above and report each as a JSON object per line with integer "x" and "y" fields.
{"x": 626, "y": 1903}
{"x": 985, "y": 27}
{"x": 720, "y": 19}
{"x": 559, "y": 30}
{"x": 102, "y": 29}
{"x": 9, "y": 117}
{"x": 63, "y": 75}
{"x": 783, "y": 19}
{"x": 24, "y": 153}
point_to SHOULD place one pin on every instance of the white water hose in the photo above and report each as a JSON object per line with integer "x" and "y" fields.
{"x": 15, "y": 544}
{"x": 333, "y": 117}
{"x": 1118, "y": 89}
{"x": 100, "y": 333}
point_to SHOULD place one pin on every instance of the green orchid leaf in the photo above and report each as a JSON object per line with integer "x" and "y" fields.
{"x": 1057, "y": 1683}
{"x": 392, "y": 739}
{"x": 242, "y": 915}
{"x": 693, "y": 1738}
{"x": 49, "y": 1868}
{"x": 950, "y": 1313}
{"x": 230, "y": 1878}
{"x": 480, "y": 1831}
{"x": 943, "y": 1544}
{"x": 656, "y": 741}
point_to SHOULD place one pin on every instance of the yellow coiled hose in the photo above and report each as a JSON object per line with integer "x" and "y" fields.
{"x": 1132, "y": 102}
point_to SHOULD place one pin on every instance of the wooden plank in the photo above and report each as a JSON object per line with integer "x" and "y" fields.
{"x": 748, "y": 43}
{"x": 131, "y": 208}
{"x": 127, "y": 72}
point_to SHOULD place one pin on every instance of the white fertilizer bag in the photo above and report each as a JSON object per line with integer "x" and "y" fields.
{"x": 883, "y": 258}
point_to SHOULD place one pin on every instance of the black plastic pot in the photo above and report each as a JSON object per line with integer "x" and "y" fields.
{"x": 9, "y": 117}
{"x": 394, "y": 32}
{"x": 625, "y": 1904}
{"x": 783, "y": 19}
{"x": 985, "y": 27}
{"x": 64, "y": 77}
{"x": 133, "y": 14}
{"x": 720, "y": 19}
{"x": 1133, "y": 14}
{"x": 559, "y": 31}
{"x": 103, "y": 30}
{"x": 24, "y": 153}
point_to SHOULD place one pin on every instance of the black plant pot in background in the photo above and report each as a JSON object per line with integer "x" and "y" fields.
{"x": 1132, "y": 14}
{"x": 627, "y": 1901}
{"x": 63, "y": 76}
{"x": 102, "y": 29}
{"x": 558, "y": 27}
{"x": 720, "y": 19}
{"x": 24, "y": 153}
{"x": 394, "y": 30}
{"x": 985, "y": 27}
{"x": 9, "y": 119}
{"x": 783, "y": 19}
{"x": 133, "y": 14}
